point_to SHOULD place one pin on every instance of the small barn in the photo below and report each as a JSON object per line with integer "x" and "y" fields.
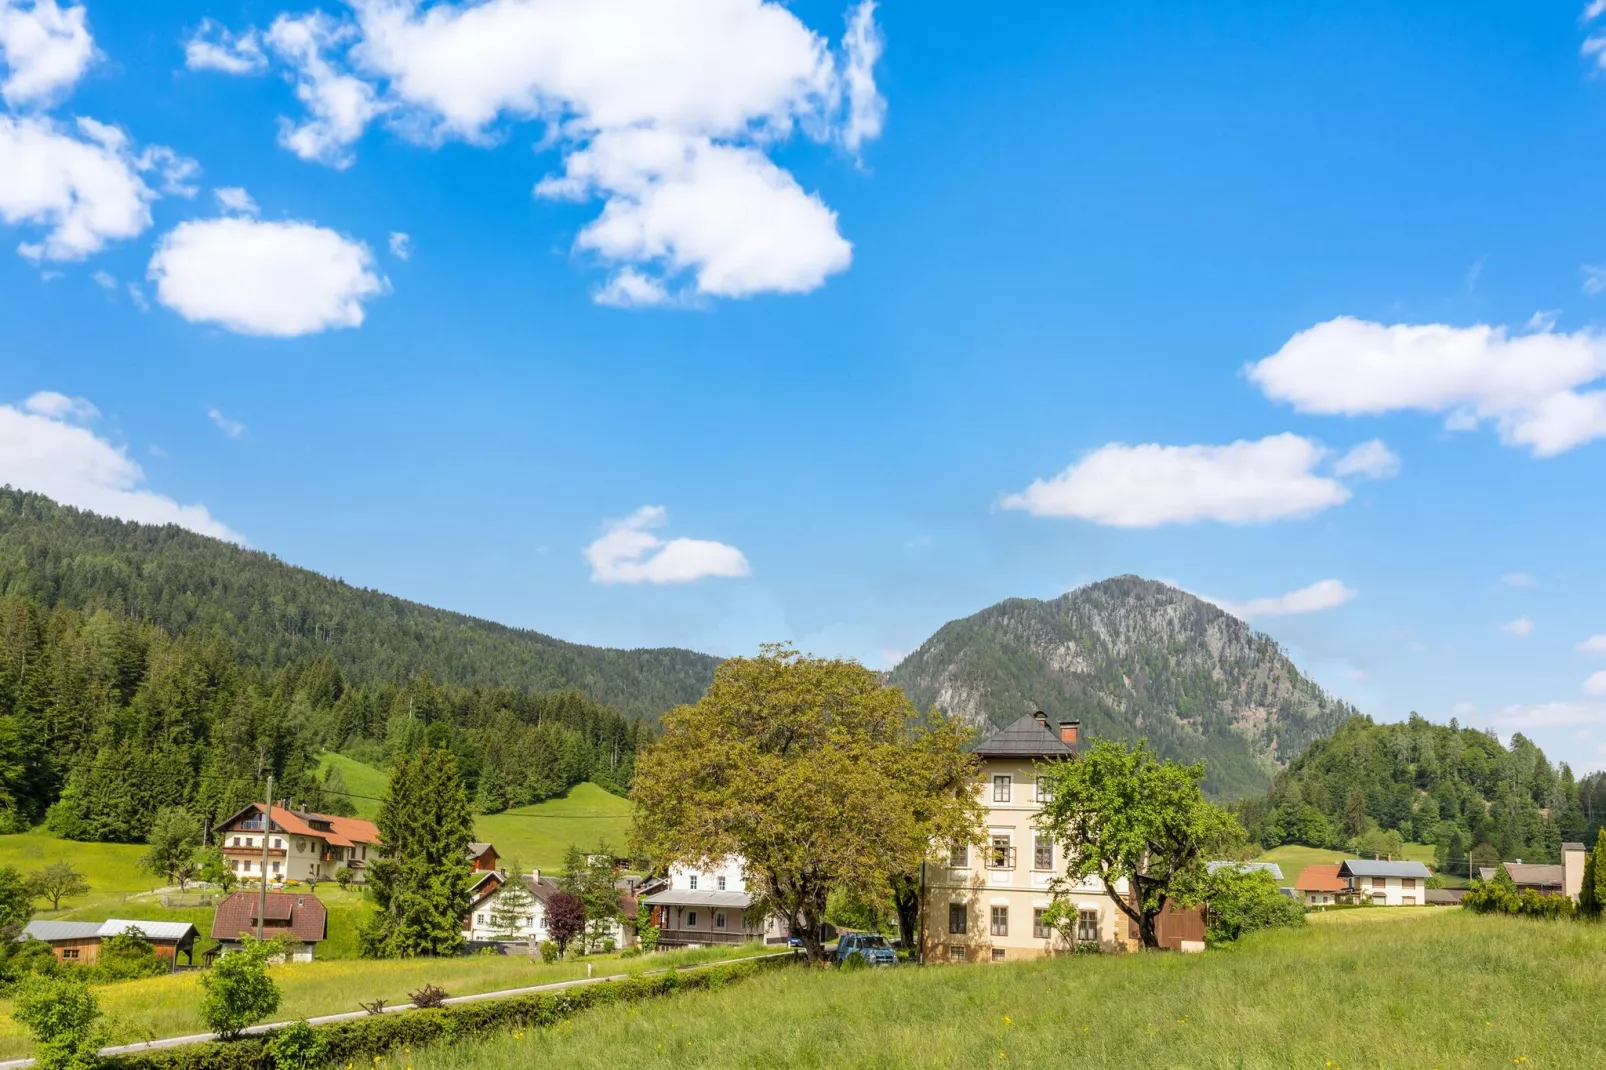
{"x": 78, "y": 942}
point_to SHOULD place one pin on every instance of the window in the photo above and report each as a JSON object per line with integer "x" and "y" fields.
{"x": 1087, "y": 926}
{"x": 998, "y": 954}
{"x": 278, "y": 844}
{"x": 1043, "y": 853}
{"x": 479, "y": 919}
{"x": 956, "y": 953}
{"x": 69, "y": 952}
{"x": 247, "y": 865}
{"x": 693, "y": 884}
{"x": 1408, "y": 883}
{"x": 719, "y": 919}
{"x": 1000, "y": 855}
{"x": 275, "y": 865}
{"x": 236, "y": 841}
{"x": 1045, "y": 791}
{"x": 1000, "y": 921}
{"x": 250, "y": 841}
{"x": 1040, "y": 930}
{"x": 236, "y": 865}
{"x": 722, "y": 884}
{"x": 1408, "y": 900}
{"x": 957, "y": 915}
{"x": 959, "y": 856}
{"x": 691, "y": 919}
{"x": 1001, "y": 788}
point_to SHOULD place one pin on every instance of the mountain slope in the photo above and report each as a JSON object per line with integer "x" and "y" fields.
{"x": 268, "y": 613}
{"x": 1130, "y": 657}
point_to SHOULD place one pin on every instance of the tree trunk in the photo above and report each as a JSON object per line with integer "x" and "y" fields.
{"x": 813, "y": 934}
{"x": 906, "y": 900}
{"x": 1148, "y": 935}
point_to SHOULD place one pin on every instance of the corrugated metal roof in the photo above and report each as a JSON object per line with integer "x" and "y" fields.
{"x": 1026, "y": 738}
{"x": 61, "y": 930}
{"x": 1360, "y": 867}
{"x": 681, "y": 897}
{"x": 153, "y": 930}
{"x": 1247, "y": 867}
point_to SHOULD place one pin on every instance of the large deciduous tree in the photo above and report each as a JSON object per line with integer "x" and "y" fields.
{"x": 173, "y": 839}
{"x": 1121, "y": 814}
{"x": 420, "y": 879}
{"x": 811, "y": 771}
{"x": 55, "y": 882}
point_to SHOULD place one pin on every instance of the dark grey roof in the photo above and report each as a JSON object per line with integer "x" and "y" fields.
{"x": 1573, "y": 847}
{"x": 1026, "y": 738}
{"x": 1360, "y": 867}
{"x": 477, "y": 849}
{"x": 1248, "y": 867}
{"x": 685, "y": 897}
{"x": 1443, "y": 897}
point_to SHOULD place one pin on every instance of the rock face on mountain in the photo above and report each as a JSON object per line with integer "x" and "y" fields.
{"x": 1130, "y": 658}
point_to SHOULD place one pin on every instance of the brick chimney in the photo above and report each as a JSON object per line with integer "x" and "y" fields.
{"x": 1069, "y": 731}
{"x": 1042, "y": 718}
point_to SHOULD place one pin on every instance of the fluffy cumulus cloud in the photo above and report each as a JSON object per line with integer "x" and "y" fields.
{"x": 1315, "y": 598}
{"x": 1596, "y": 684}
{"x": 629, "y": 552}
{"x": 1522, "y": 627}
{"x": 83, "y": 185}
{"x": 47, "y": 445}
{"x": 1595, "y": 644}
{"x": 46, "y": 48}
{"x": 235, "y": 199}
{"x": 266, "y": 278}
{"x": 213, "y": 48}
{"x": 665, "y": 111}
{"x": 1145, "y": 486}
{"x": 1533, "y": 388}
{"x": 1559, "y": 714}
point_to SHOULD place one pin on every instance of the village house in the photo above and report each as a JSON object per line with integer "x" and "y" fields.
{"x": 78, "y": 942}
{"x": 988, "y": 903}
{"x": 1394, "y": 884}
{"x": 1567, "y": 878}
{"x": 302, "y": 846}
{"x": 301, "y": 919}
{"x": 709, "y": 906}
{"x": 483, "y": 857}
{"x": 480, "y": 924}
{"x": 1320, "y": 886}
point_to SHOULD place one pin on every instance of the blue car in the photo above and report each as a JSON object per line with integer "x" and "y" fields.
{"x": 873, "y": 947}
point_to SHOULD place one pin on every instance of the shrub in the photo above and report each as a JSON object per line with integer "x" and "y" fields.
{"x": 549, "y": 952}
{"x": 238, "y": 990}
{"x": 297, "y": 1046}
{"x": 646, "y": 932}
{"x": 125, "y": 957}
{"x": 63, "y": 1016}
{"x": 429, "y": 996}
{"x": 854, "y": 961}
{"x": 1245, "y": 901}
{"x": 343, "y": 877}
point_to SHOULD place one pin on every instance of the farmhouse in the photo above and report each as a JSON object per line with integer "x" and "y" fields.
{"x": 302, "y": 846}
{"x": 1320, "y": 885}
{"x": 79, "y": 941}
{"x": 482, "y": 856}
{"x": 1564, "y": 879}
{"x": 709, "y": 907}
{"x": 485, "y": 895}
{"x": 302, "y": 918}
{"x": 1393, "y": 884}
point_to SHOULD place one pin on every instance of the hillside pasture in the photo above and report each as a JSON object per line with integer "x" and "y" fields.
{"x": 1440, "y": 989}
{"x": 539, "y": 835}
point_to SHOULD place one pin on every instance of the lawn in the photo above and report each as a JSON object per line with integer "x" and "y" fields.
{"x": 361, "y": 780}
{"x": 166, "y": 1006}
{"x": 1450, "y": 990}
{"x": 537, "y": 836}
{"x": 1294, "y": 857}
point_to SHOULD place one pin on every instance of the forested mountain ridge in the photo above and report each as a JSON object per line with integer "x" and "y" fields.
{"x": 1457, "y": 788}
{"x": 268, "y": 614}
{"x": 1130, "y": 658}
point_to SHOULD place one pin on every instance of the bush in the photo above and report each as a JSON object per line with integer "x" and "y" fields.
{"x": 429, "y": 996}
{"x": 297, "y": 1046}
{"x": 63, "y": 1017}
{"x": 239, "y": 991}
{"x": 549, "y": 952}
{"x": 360, "y": 1040}
{"x": 343, "y": 877}
{"x": 854, "y": 961}
{"x": 1245, "y": 901}
{"x": 126, "y": 957}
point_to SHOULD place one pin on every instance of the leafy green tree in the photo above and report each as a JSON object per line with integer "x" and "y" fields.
{"x": 1483, "y": 856}
{"x": 63, "y": 1016}
{"x": 1121, "y": 814}
{"x": 811, "y": 770}
{"x": 589, "y": 875}
{"x": 55, "y": 882}
{"x": 126, "y": 956}
{"x": 213, "y": 868}
{"x": 513, "y": 906}
{"x": 237, "y": 991}
{"x": 173, "y": 839}
{"x": 16, "y": 903}
{"x": 420, "y": 877}
{"x": 1240, "y": 901}
{"x": 646, "y": 932}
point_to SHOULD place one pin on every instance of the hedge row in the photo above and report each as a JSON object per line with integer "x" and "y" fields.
{"x": 358, "y": 1040}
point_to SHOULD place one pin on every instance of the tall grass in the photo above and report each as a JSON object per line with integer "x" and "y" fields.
{"x": 1449, "y": 990}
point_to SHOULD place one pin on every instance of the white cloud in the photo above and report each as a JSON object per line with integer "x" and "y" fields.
{"x": 1273, "y": 478}
{"x": 104, "y": 279}
{"x": 401, "y": 245}
{"x": 1594, "y": 282}
{"x": 1593, "y": 10}
{"x": 214, "y": 48}
{"x": 629, "y": 288}
{"x": 45, "y": 448}
{"x": 628, "y": 552}
{"x": 1520, "y": 718}
{"x": 235, "y": 199}
{"x": 253, "y": 277}
{"x": 1517, "y": 579}
{"x": 46, "y": 49}
{"x": 50, "y": 404}
{"x": 1544, "y": 320}
{"x": 665, "y": 110}
{"x": 85, "y": 187}
{"x": 1315, "y": 598}
{"x": 1372, "y": 459}
{"x": 1522, "y": 627}
{"x": 1526, "y": 385}
{"x": 1595, "y": 644}
{"x": 231, "y": 428}
{"x": 1596, "y": 684}
{"x": 138, "y": 297}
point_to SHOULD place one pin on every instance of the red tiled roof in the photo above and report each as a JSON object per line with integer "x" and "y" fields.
{"x": 303, "y": 916}
{"x": 1320, "y": 879}
{"x": 343, "y": 831}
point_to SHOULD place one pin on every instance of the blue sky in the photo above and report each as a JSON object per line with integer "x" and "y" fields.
{"x": 711, "y": 322}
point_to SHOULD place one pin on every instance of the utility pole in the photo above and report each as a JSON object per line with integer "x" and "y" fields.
{"x": 267, "y": 827}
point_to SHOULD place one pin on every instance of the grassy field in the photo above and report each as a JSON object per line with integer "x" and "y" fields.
{"x": 537, "y": 836}
{"x": 1294, "y": 857}
{"x": 1433, "y": 988}
{"x": 361, "y": 780}
{"x": 165, "y": 1006}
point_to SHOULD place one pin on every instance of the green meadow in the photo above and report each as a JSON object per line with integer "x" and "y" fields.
{"x": 1401, "y": 988}
{"x": 537, "y": 836}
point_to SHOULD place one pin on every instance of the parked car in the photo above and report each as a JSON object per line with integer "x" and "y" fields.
{"x": 872, "y": 947}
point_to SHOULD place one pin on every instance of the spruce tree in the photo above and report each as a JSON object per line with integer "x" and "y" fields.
{"x": 420, "y": 877}
{"x": 1592, "y": 897}
{"x": 513, "y": 906}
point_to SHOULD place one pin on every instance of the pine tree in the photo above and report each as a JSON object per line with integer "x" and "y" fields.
{"x": 514, "y": 906}
{"x": 420, "y": 877}
{"x": 1592, "y": 898}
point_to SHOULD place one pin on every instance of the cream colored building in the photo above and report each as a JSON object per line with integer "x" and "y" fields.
{"x": 987, "y": 902}
{"x": 301, "y": 846}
